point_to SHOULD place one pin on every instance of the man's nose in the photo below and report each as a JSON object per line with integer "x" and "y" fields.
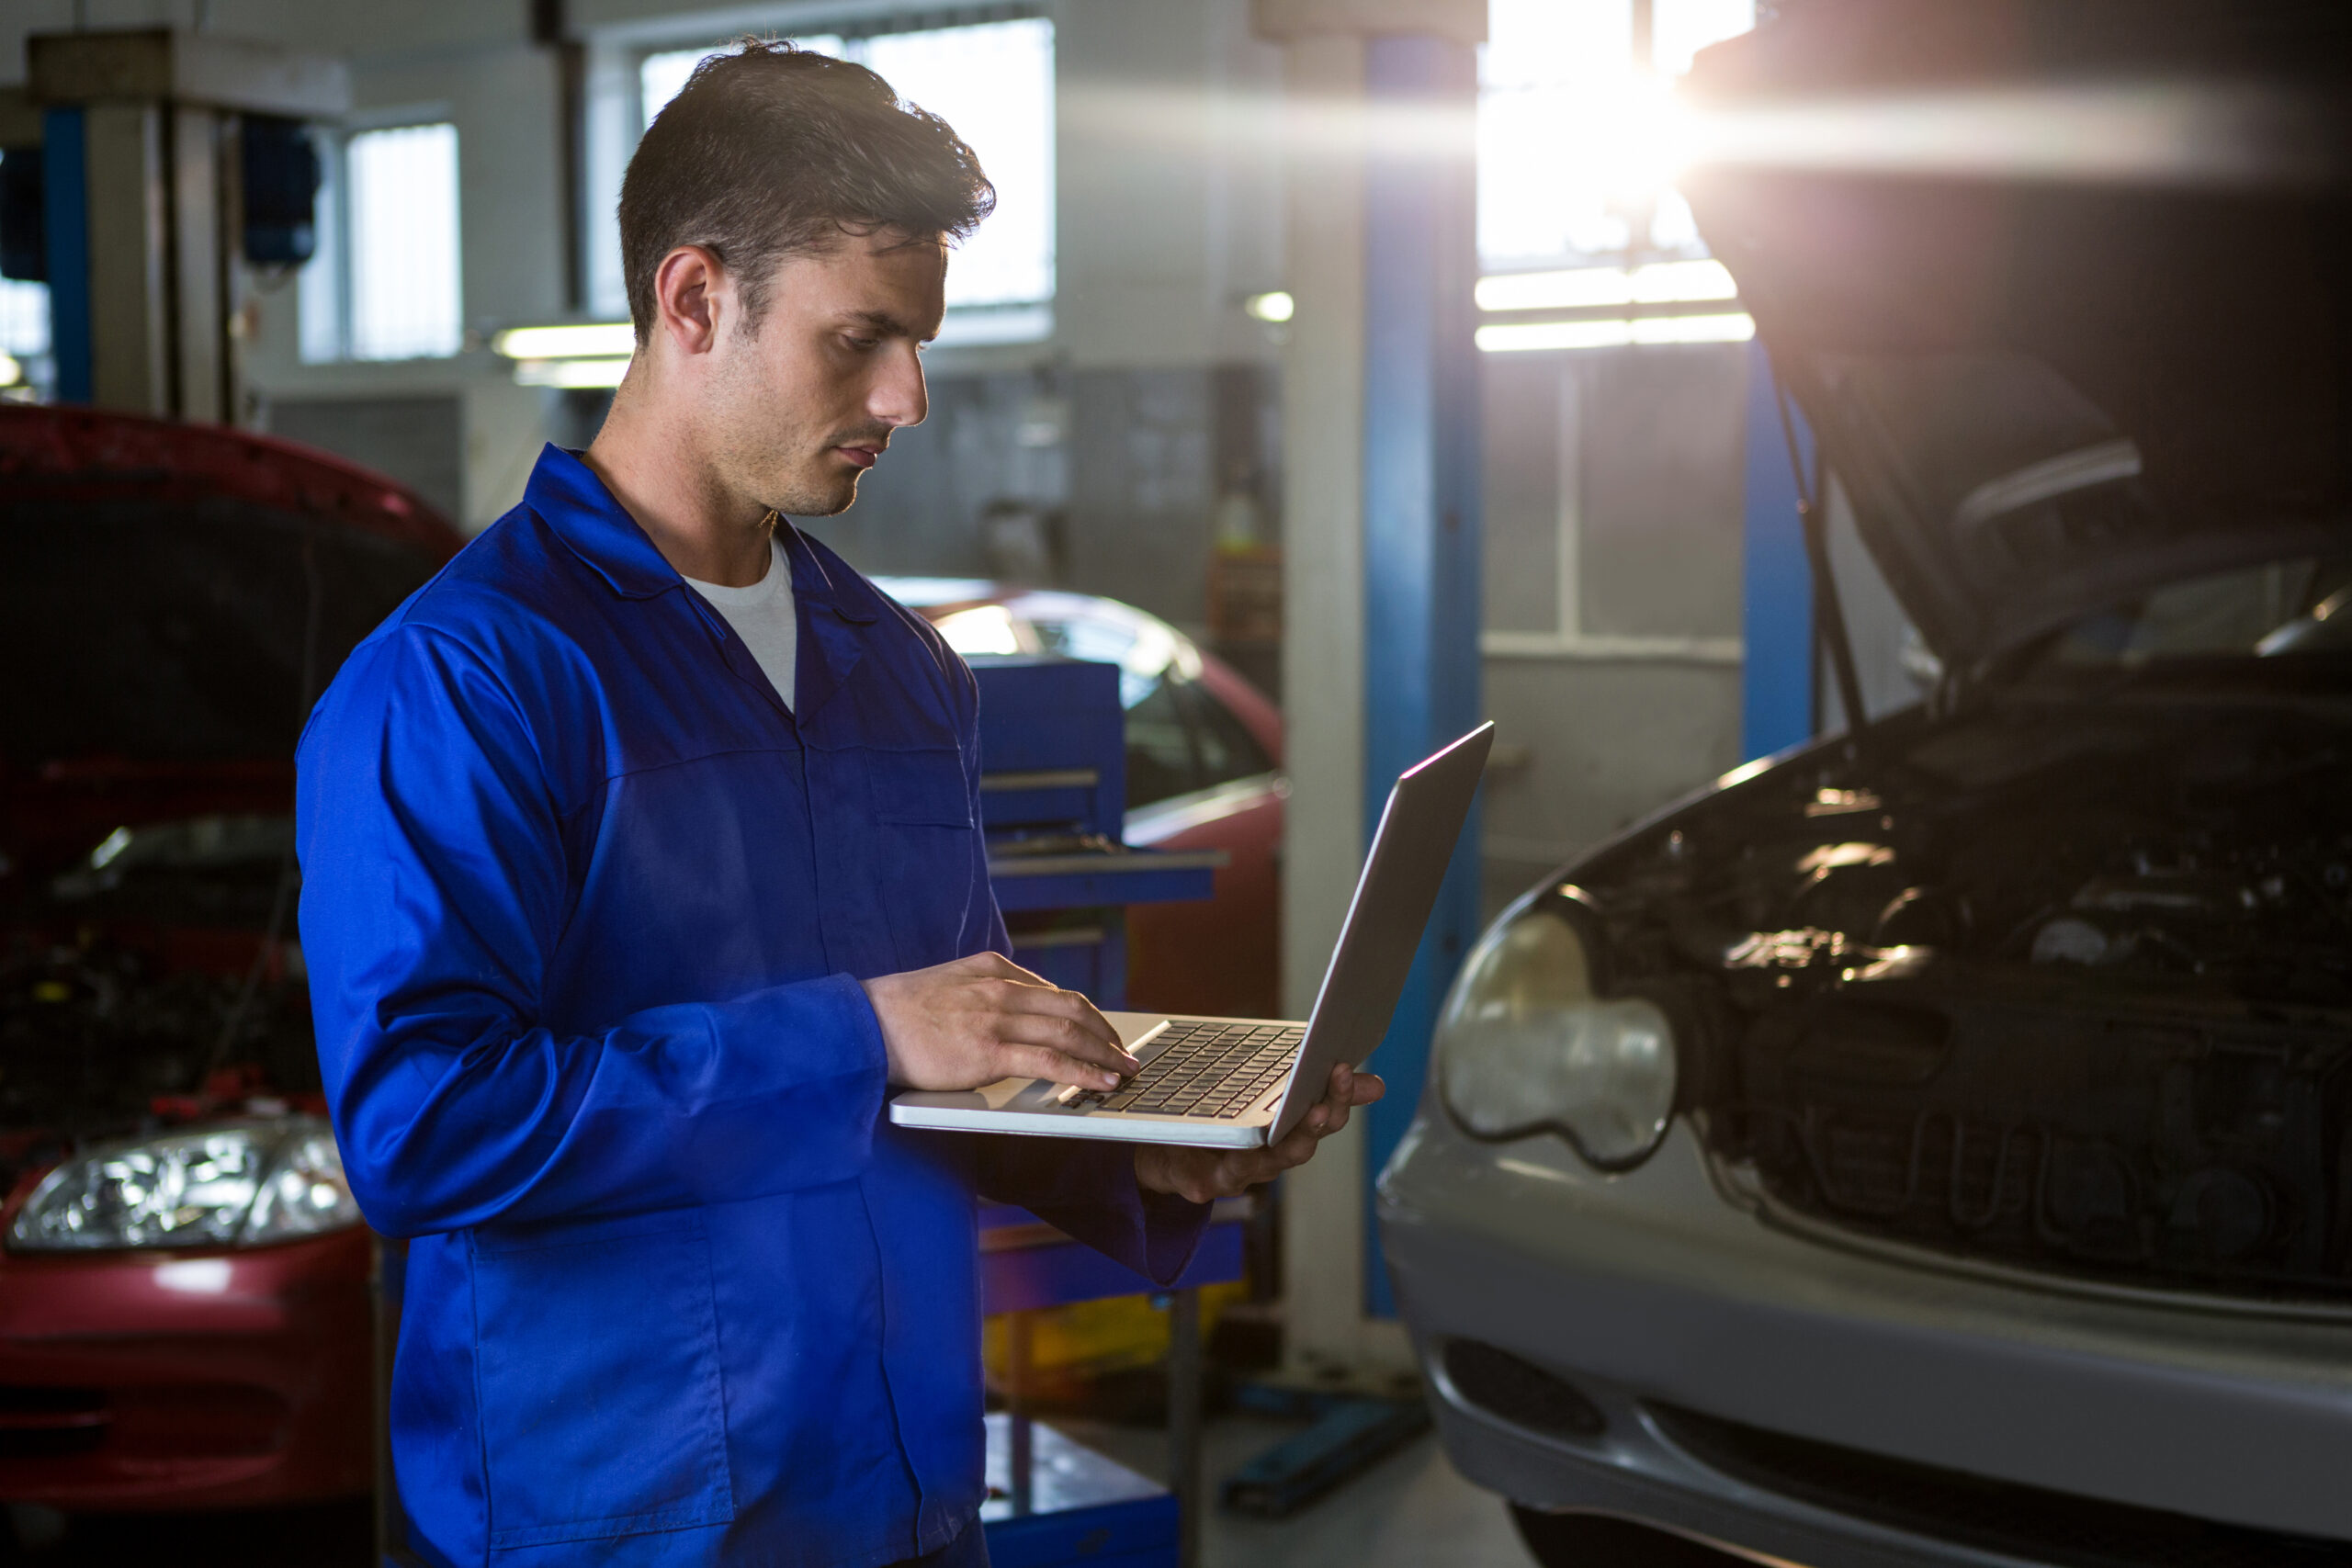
{"x": 900, "y": 397}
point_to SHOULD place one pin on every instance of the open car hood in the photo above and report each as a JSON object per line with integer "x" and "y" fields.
{"x": 2063, "y": 288}
{"x": 171, "y": 597}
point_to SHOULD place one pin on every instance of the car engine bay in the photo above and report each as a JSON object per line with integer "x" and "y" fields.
{"x": 2047, "y": 985}
{"x": 139, "y": 988}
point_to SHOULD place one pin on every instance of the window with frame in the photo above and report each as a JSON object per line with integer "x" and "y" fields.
{"x": 386, "y": 281}
{"x": 993, "y": 81}
{"x": 1586, "y": 246}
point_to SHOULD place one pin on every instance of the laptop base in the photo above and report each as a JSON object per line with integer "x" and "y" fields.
{"x": 1035, "y": 1108}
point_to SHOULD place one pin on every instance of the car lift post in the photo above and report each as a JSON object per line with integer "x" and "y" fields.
{"x": 145, "y": 144}
{"x": 1381, "y": 534}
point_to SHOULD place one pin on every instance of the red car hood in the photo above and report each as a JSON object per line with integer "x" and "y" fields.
{"x": 171, "y": 598}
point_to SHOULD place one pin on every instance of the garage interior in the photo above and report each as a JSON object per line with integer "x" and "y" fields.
{"x": 1369, "y": 356}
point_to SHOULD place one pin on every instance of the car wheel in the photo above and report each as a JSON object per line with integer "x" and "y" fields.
{"x": 1596, "y": 1540}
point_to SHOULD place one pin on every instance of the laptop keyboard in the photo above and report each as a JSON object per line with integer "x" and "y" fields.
{"x": 1206, "y": 1068}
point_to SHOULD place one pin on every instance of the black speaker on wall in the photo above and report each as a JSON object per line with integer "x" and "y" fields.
{"x": 282, "y": 174}
{"x": 23, "y": 250}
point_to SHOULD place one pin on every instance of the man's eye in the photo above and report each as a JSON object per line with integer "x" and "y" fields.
{"x": 864, "y": 345}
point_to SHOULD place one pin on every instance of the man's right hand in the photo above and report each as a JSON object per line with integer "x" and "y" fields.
{"x": 960, "y": 1025}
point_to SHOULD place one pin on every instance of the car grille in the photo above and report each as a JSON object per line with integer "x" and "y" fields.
{"x": 1519, "y": 1392}
{"x": 39, "y": 1422}
{"x": 2054, "y": 1528}
{"x": 2206, "y": 1160}
{"x": 141, "y": 1422}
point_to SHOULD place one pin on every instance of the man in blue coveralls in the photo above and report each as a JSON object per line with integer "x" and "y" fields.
{"x": 640, "y": 863}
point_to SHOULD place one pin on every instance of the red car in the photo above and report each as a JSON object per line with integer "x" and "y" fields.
{"x": 185, "y": 1317}
{"x": 184, "y": 1309}
{"x": 1204, "y": 755}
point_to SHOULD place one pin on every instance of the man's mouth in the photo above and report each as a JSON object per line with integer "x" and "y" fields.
{"x": 860, "y": 456}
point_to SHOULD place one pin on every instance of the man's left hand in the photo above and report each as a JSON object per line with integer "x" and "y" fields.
{"x": 1205, "y": 1175}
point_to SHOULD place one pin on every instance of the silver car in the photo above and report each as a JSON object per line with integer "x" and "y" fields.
{"x": 1934, "y": 1146}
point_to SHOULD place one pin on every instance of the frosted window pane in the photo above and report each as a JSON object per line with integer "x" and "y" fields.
{"x": 994, "y": 84}
{"x": 318, "y": 289}
{"x": 24, "y": 318}
{"x": 661, "y": 77}
{"x": 405, "y": 292}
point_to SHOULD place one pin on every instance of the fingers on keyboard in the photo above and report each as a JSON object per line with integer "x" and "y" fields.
{"x": 1204, "y": 1069}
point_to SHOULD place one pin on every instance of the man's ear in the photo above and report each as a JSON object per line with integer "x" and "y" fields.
{"x": 692, "y": 291}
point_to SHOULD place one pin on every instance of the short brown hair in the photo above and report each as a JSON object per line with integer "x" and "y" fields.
{"x": 771, "y": 150}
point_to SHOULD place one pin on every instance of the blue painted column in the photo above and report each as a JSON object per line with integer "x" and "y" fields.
{"x": 1776, "y": 594}
{"x": 1420, "y": 506}
{"x": 65, "y": 225}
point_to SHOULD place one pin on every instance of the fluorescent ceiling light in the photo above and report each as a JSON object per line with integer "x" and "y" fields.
{"x": 1659, "y": 283}
{"x": 1674, "y": 282}
{"x": 1579, "y": 289}
{"x": 573, "y": 373}
{"x": 1520, "y": 335}
{"x": 589, "y": 340}
{"x": 1276, "y": 307}
{"x": 1735, "y": 327}
{"x": 1616, "y": 332}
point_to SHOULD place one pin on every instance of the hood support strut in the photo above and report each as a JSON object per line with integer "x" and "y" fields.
{"x": 1828, "y": 614}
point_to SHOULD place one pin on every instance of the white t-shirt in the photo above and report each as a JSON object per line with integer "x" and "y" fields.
{"x": 762, "y": 615}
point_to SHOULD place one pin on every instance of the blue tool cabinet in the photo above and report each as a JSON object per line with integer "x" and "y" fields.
{"x": 1053, "y": 804}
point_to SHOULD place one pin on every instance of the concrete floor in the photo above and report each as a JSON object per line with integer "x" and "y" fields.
{"x": 1409, "y": 1510}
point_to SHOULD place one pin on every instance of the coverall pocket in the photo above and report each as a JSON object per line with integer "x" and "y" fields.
{"x": 920, "y": 788}
{"x": 602, "y": 1408}
{"x": 924, "y": 844}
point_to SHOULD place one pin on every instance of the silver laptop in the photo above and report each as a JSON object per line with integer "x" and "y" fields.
{"x": 1239, "y": 1082}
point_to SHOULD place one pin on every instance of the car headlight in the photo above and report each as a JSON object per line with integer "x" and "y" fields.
{"x": 235, "y": 1184}
{"x": 1524, "y": 1045}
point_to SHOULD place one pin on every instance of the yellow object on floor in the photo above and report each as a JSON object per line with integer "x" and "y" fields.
{"x": 1087, "y": 1339}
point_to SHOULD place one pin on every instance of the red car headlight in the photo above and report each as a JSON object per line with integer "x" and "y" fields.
{"x": 232, "y": 1184}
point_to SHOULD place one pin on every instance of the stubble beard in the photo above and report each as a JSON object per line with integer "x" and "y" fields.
{"x": 805, "y": 497}
{"x": 782, "y": 469}
{"x": 777, "y": 468}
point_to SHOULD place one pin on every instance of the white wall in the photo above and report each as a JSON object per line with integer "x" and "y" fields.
{"x": 1623, "y": 689}
{"x": 1170, "y": 182}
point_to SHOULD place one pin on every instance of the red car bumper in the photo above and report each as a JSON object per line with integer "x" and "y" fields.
{"x": 185, "y": 1380}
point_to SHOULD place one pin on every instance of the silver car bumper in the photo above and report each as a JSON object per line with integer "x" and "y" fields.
{"x": 1654, "y": 1295}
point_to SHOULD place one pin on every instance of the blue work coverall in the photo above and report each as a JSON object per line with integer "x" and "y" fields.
{"x": 585, "y": 906}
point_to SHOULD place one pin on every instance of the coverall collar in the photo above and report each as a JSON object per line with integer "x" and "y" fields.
{"x": 597, "y": 528}
{"x": 592, "y": 524}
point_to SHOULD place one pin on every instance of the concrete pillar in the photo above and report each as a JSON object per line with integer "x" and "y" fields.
{"x": 1323, "y": 1253}
{"x": 1380, "y": 529}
